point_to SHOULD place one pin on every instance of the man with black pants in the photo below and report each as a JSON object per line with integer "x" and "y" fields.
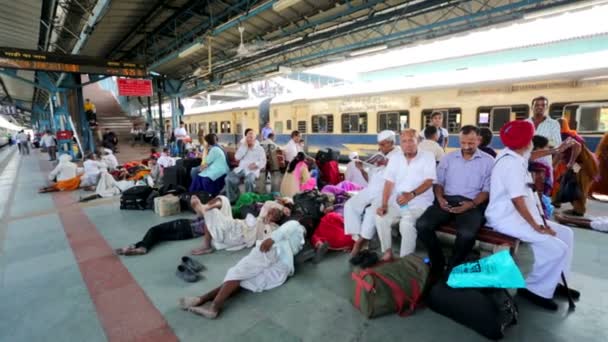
{"x": 461, "y": 194}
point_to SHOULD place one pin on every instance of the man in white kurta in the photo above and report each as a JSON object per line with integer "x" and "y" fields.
{"x": 252, "y": 159}
{"x": 355, "y": 172}
{"x": 406, "y": 195}
{"x": 514, "y": 210}
{"x": 360, "y": 210}
{"x": 267, "y": 266}
{"x": 293, "y": 147}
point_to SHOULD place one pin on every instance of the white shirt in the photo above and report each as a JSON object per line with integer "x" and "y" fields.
{"x": 376, "y": 175}
{"x": 407, "y": 176}
{"x": 165, "y": 161}
{"x": 48, "y": 140}
{"x": 353, "y": 174}
{"x": 110, "y": 161}
{"x": 549, "y": 129}
{"x": 63, "y": 171}
{"x": 433, "y": 147}
{"x": 291, "y": 150}
{"x": 180, "y": 133}
{"x": 92, "y": 167}
{"x": 246, "y": 156}
{"x": 22, "y": 137}
{"x": 510, "y": 179}
{"x": 441, "y": 131}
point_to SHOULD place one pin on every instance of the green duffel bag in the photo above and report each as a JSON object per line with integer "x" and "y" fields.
{"x": 393, "y": 287}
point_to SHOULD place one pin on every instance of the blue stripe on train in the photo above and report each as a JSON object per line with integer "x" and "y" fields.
{"x": 337, "y": 141}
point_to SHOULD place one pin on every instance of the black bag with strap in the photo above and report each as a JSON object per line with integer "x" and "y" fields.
{"x": 487, "y": 311}
{"x": 308, "y": 208}
{"x": 135, "y": 198}
{"x": 569, "y": 190}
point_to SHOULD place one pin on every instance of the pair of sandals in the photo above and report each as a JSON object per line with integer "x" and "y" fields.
{"x": 189, "y": 270}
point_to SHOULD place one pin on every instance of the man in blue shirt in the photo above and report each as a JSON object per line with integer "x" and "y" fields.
{"x": 266, "y": 131}
{"x": 462, "y": 190}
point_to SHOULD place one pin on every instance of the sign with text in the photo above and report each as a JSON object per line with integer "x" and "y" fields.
{"x": 134, "y": 87}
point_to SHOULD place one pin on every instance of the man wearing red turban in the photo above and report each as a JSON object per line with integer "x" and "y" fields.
{"x": 515, "y": 210}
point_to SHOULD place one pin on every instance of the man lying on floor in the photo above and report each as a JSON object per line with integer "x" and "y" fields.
{"x": 222, "y": 231}
{"x": 267, "y": 266}
{"x": 181, "y": 229}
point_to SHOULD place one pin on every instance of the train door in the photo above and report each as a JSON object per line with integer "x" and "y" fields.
{"x": 301, "y": 115}
{"x": 264, "y": 114}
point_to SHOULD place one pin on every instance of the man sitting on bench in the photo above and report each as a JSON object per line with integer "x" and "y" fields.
{"x": 461, "y": 192}
{"x": 252, "y": 159}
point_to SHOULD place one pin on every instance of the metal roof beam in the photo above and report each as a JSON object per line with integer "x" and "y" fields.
{"x": 5, "y": 91}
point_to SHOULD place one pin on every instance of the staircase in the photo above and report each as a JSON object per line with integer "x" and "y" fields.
{"x": 110, "y": 115}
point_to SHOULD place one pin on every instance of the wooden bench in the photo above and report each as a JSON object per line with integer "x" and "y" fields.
{"x": 489, "y": 236}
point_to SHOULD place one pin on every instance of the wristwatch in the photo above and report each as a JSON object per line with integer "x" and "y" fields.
{"x": 413, "y": 193}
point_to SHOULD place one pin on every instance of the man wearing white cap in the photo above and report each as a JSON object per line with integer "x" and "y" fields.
{"x": 363, "y": 230}
{"x": 355, "y": 172}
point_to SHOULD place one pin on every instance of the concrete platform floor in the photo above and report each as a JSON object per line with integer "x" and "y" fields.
{"x": 59, "y": 281}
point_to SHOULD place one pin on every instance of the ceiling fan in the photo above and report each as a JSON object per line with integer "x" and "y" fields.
{"x": 249, "y": 49}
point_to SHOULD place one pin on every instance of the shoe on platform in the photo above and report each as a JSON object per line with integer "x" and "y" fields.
{"x": 562, "y": 291}
{"x": 546, "y": 303}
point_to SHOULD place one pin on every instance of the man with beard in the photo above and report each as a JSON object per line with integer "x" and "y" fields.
{"x": 514, "y": 210}
{"x": 461, "y": 192}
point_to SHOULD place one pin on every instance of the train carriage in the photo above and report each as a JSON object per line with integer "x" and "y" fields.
{"x": 349, "y": 121}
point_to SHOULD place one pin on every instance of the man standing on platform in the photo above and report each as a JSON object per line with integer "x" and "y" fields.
{"x": 266, "y": 131}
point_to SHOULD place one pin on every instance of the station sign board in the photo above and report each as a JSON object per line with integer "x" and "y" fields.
{"x": 134, "y": 87}
{"x": 11, "y": 58}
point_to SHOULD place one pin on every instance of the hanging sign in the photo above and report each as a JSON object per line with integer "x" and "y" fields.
{"x": 134, "y": 87}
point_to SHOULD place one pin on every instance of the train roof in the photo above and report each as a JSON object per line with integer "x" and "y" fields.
{"x": 4, "y": 123}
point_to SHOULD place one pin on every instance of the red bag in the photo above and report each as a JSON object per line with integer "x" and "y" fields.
{"x": 330, "y": 173}
{"x": 331, "y": 230}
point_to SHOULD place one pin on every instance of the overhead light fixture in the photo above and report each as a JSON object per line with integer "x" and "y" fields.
{"x": 190, "y": 50}
{"x": 368, "y": 50}
{"x": 284, "y": 4}
{"x": 595, "y": 78}
{"x": 563, "y": 9}
{"x": 233, "y": 84}
{"x": 154, "y": 73}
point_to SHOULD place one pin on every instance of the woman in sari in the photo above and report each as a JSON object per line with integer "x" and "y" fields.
{"x": 600, "y": 186}
{"x": 582, "y": 161}
{"x": 213, "y": 170}
{"x": 66, "y": 175}
{"x": 297, "y": 178}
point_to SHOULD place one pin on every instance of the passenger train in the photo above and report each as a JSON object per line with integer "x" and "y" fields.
{"x": 349, "y": 120}
{"x": 5, "y": 130}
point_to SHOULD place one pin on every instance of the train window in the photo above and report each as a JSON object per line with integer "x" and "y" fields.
{"x": 302, "y": 126}
{"x": 225, "y": 127}
{"x": 323, "y": 123}
{"x": 213, "y": 127}
{"x": 354, "y": 123}
{"x": 278, "y": 127}
{"x": 239, "y": 128}
{"x": 556, "y": 110}
{"x": 591, "y": 118}
{"x": 494, "y": 117}
{"x": 201, "y": 126}
{"x": 288, "y": 125}
{"x": 452, "y": 118}
{"x": 394, "y": 121}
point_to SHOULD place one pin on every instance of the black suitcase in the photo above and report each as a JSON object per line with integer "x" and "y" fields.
{"x": 176, "y": 175}
{"x": 135, "y": 198}
{"x": 487, "y": 311}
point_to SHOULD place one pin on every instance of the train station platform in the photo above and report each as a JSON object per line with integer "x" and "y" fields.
{"x": 60, "y": 281}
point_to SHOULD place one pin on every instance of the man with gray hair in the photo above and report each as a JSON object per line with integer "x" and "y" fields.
{"x": 367, "y": 200}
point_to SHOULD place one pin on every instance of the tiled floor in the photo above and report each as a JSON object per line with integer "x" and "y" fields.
{"x": 60, "y": 282}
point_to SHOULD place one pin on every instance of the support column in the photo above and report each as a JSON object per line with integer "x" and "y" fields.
{"x": 150, "y": 112}
{"x": 88, "y": 141}
{"x": 160, "y": 113}
{"x": 176, "y": 111}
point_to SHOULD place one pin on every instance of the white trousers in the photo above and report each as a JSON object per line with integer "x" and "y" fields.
{"x": 407, "y": 227}
{"x": 552, "y": 254}
{"x": 357, "y": 207}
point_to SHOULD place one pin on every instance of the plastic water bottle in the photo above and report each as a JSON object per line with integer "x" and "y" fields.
{"x": 427, "y": 261}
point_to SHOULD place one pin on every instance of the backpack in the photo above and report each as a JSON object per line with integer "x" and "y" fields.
{"x": 487, "y": 311}
{"x": 569, "y": 190}
{"x": 393, "y": 287}
{"x": 176, "y": 175}
{"x": 308, "y": 207}
{"x": 330, "y": 173}
{"x": 171, "y": 189}
{"x": 135, "y": 198}
{"x": 274, "y": 157}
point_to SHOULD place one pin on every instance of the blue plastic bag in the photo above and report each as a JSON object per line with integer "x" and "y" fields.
{"x": 496, "y": 271}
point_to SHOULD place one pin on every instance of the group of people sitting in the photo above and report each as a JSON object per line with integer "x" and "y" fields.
{"x": 405, "y": 184}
